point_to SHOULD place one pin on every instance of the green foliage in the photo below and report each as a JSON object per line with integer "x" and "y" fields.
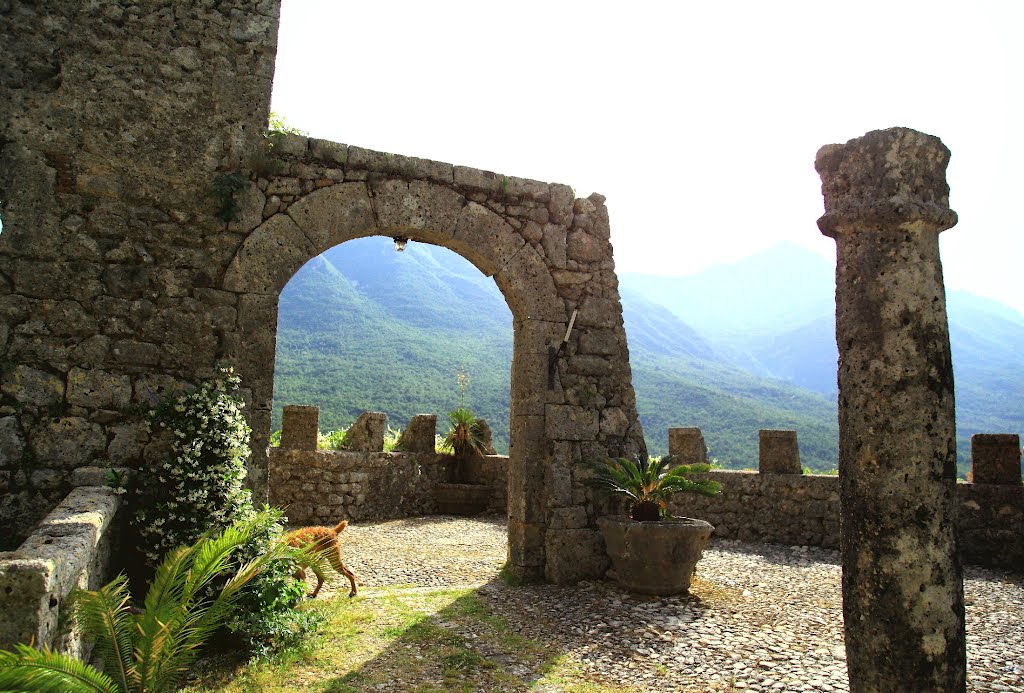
{"x": 115, "y": 479}
{"x": 275, "y": 439}
{"x": 265, "y": 162}
{"x": 199, "y": 486}
{"x": 332, "y": 440}
{"x": 278, "y": 125}
{"x": 649, "y": 485}
{"x": 391, "y": 437}
{"x": 223, "y": 189}
{"x": 266, "y": 617}
{"x": 154, "y": 650}
{"x": 465, "y": 435}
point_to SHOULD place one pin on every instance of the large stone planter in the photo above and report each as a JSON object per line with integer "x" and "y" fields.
{"x": 654, "y": 557}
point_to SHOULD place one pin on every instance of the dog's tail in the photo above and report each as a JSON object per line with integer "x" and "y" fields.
{"x": 341, "y": 525}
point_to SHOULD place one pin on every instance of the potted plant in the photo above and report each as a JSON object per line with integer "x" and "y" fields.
{"x": 651, "y": 551}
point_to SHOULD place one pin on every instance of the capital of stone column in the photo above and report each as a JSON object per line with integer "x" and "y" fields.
{"x": 886, "y": 180}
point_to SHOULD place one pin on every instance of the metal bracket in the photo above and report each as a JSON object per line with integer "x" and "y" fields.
{"x": 553, "y": 352}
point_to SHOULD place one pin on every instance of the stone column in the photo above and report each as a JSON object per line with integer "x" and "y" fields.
{"x": 886, "y": 200}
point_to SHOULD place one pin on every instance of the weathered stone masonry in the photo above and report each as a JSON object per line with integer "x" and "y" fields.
{"x": 117, "y": 279}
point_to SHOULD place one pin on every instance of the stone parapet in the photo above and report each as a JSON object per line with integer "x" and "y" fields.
{"x": 300, "y": 426}
{"x": 687, "y": 446}
{"x": 995, "y": 459}
{"x": 70, "y": 549}
{"x": 804, "y": 510}
{"x": 323, "y": 487}
{"x": 778, "y": 452}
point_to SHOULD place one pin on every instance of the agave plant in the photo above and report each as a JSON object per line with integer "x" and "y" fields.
{"x": 465, "y": 435}
{"x": 649, "y": 485}
{"x": 153, "y": 650}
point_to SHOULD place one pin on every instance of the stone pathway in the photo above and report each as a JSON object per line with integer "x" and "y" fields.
{"x": 759, "y": 617}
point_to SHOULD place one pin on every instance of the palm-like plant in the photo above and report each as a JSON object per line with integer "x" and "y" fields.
{"x": 465, "y": 435}
{"x": 649, "y": 485}
{"x": 149, "y": 651}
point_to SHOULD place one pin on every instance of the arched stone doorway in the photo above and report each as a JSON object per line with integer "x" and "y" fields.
{"x": 571, "y": 395}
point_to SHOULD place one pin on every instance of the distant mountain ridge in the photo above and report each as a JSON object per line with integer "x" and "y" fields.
{"x": 365, "y": 328}
{"x": 985, "y": 335}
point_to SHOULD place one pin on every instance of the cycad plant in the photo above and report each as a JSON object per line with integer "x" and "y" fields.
{"x": 153, "y": 650}
{"x": 649, "y": 485}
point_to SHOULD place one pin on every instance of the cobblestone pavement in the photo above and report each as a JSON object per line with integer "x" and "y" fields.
{"x": 759, "y": 617}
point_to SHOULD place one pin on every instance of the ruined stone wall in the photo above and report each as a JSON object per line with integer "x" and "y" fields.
{"x": 324, "y": 487}
{"x": 114, "y": 119}
{"x": 804, "y": 510}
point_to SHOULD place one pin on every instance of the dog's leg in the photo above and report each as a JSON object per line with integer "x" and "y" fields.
{"x": 319, "y": 581}
{"x": 335, "y": 558}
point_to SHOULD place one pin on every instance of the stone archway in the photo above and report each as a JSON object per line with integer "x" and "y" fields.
{"x": 572, "y": 398}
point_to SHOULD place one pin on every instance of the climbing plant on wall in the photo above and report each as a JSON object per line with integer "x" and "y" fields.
{"x": 199, "y": 484}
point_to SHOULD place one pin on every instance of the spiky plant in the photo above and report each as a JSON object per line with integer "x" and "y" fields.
{"x": 153, "y": 650}
{"x": 649, "y": 485}
{"x": 465, "y": 435}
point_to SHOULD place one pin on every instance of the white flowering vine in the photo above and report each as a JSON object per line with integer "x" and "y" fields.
{"x": 199, "y": 486}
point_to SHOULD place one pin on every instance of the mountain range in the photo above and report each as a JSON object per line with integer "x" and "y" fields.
{"x": 733, "y": 349}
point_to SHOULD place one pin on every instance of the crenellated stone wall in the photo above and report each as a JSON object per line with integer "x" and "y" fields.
{"x": 317, "y": 487}
{"x": 799, "y": 509}
{"x": 804, "y": 510}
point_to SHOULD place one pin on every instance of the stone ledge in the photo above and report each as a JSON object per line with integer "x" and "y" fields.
{"x": 65, "y": 552}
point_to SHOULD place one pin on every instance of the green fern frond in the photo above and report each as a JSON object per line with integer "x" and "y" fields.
{"x": 29, "y": 669}
{"x": 105, "y": 617}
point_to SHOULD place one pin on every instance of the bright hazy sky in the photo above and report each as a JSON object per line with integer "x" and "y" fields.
{"x": 698, "y": 121}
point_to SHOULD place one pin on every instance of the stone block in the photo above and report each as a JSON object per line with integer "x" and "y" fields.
{"x": 686, "y": 445}
{"x": 995, "y": 459}
{"x": 67, "y": 442}
{"x": 572, "y": 555}
{"x": 12, "y": 442}
{"x": 405, "y": 206}
{"x": 367, "y": 433}
{"x": 66, "y": 551}
{"x": 270, "y": 256}
{"x": 486, "y": 437}
{"x": 30, "y": 386}
{"x": 418, "y": 436}
{"x": 300, "y": 426}
{"x": 568, "y": 518}
{"x": 529, "y": 289}
{"x": 567, "y": 422}
{"x": 778, "y": 452}
{"x": 485, "y": 239}
{"x": 97, "y": 389}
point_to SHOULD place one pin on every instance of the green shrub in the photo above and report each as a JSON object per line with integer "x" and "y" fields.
{"x": 648, "y": 485}
{"x": 266, "y": 617}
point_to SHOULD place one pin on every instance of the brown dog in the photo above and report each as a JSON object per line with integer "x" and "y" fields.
{"x": 322, "y": 540}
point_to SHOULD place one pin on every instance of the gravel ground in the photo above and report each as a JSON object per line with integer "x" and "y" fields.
{"x": 759, "y": 617}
